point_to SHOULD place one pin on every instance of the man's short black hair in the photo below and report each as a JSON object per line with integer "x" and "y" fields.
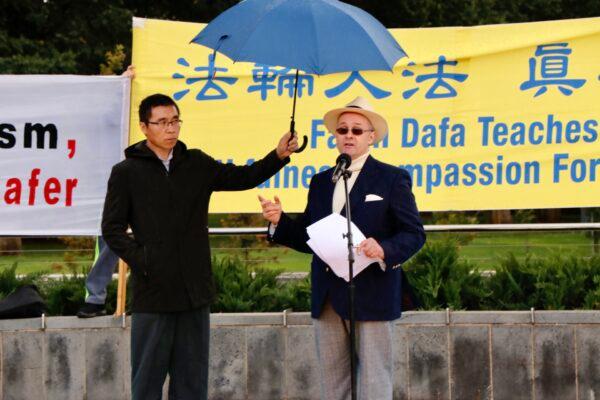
{"x": 155, "y": 100}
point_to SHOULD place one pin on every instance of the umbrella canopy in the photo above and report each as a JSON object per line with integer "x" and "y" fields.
{"x": 315, "y": 36}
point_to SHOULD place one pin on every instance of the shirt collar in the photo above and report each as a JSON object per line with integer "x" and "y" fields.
{"x": 358, "y": 163}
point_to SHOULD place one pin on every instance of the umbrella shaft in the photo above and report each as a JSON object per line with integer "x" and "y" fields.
{"x": 292, "y": 124}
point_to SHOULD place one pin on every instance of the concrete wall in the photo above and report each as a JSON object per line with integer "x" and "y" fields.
{"x": 460, "y": 355}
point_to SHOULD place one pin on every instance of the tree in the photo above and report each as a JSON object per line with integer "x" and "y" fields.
{"x": 60, "y": 36}
{"x": 70, "y": 36}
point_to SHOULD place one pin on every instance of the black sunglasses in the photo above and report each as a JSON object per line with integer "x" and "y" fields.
{"x": 355, "y": 131}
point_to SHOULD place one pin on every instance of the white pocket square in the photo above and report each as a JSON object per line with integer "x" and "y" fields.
{"x": 373, "y": 197}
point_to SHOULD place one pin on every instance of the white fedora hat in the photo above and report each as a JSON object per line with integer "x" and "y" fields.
{"x": 361, "y": 106}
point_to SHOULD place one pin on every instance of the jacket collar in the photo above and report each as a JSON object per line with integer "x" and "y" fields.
{"x": 366, "y": 178}
{"x": 141, "y": 150}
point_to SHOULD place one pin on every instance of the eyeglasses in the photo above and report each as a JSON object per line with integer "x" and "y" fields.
{"x": 176, "y": 123}
{"x": 355, "y": 131}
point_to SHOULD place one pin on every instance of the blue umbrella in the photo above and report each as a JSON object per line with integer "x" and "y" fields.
{"x": 316, "y": 36}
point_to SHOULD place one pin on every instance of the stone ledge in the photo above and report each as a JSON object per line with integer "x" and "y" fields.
{"x": 237, "y": 319}
{"x": 500, "y": 317}
{"x": 304, "y": 319}
{"x": 20, "y": 324}
{"x": 486, "y": 317}
{"x": 108, "y": 321}
{"x": 567, "y": 317}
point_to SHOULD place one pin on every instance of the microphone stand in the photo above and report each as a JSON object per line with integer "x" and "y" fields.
{"x": 346, "y": 174}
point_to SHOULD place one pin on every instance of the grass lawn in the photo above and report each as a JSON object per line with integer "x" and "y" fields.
{"x": 486, "y": 247}
{"x": 48, "y": 256}
{"x": 482, "y": 249}
{"x": 273, "y": 257}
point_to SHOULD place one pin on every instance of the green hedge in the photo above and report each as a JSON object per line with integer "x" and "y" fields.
{"x": 240, "y": 289}
{"x": 440, "y": 278}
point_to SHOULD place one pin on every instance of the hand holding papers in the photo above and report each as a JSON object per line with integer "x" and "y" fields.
{"x": 328, "y": 241}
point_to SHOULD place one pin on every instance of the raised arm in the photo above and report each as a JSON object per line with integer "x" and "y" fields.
{"x": 231, "y": 177}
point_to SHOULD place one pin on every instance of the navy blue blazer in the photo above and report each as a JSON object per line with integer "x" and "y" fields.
{"x": 393, "y": 221}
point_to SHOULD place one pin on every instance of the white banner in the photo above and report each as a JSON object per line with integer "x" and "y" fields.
{"x": 59, "y": 137}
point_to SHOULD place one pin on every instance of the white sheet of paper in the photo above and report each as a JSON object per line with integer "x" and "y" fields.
{"x": 328, "y": 242}
{"x": 315, "y": 248}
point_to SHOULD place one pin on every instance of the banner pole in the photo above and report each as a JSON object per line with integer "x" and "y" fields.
{"x": 121, "y": 289}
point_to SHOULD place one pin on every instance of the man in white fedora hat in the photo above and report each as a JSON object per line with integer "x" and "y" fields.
{"x": 383, "y": 208}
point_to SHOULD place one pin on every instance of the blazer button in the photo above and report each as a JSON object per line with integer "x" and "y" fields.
{"x": 326, "y": 269}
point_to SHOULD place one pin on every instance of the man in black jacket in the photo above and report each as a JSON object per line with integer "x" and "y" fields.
{"x": 162, "y": 190}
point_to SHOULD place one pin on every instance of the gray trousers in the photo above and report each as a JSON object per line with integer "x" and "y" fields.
{"x": 170, "y": 343}
{"x": 374, "y": 350}
{"x": 101, "y": 273}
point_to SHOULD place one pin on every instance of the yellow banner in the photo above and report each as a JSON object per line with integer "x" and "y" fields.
{"x": 486, "y": 117}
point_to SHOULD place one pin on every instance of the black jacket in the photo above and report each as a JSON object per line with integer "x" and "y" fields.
{"x": 169, "y": 255}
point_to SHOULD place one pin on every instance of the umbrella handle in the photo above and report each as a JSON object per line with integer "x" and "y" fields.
{"x": 304, "y": 138}
{"x": 293, "y": 121}
{"x": 303, "y": 146}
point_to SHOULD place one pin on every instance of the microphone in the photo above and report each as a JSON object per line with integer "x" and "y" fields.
{"x": 341, "y": 164}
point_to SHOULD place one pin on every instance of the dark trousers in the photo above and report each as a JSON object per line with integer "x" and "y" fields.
{"x": 173, "y": 343}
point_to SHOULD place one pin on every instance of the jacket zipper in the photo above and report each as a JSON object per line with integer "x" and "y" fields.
{"x": 145, "y": 262}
